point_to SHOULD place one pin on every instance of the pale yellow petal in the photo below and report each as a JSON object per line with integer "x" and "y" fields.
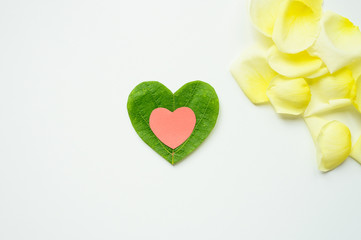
{"x": 321, "y": 107}
{"x": 339, "y": 42}
{"x": 355, "y": 68}
{"x": 319, "y": 73}
{"x": 315, "y": 125}
{"x": 333, "y": 145}
{"x": 298, "y": 25}
{"x": 356, "y": 151}
{"x": 357, "y": 100}
{"x": 339, "y": 85}
{"x": 264, "y": 13}
{"x": 253, "y": 75}
{"x": 293, "y": 65}
{"x": 289, "y": 96}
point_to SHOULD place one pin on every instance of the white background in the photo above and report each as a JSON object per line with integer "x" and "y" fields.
{"x": 72, "y": 166}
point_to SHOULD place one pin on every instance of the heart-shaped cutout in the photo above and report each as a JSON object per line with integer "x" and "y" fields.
{"x": 171, "y": 143}
{"x": 172, "y": 128}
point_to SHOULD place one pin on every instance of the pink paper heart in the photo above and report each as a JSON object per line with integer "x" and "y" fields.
{"x": 172, "y": 128}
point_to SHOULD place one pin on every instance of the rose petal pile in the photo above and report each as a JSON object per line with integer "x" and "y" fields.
{"x": 313, "y": 68}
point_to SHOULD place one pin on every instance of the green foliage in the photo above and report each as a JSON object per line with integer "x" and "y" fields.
{"x": 197, "y": 95}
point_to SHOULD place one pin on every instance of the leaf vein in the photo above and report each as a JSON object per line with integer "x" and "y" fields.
{"x": 153, "y": 97}
{"x": 193, "y": 92}
{"x": 196, "y": 127}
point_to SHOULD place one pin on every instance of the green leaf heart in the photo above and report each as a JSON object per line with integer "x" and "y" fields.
{"x": 198, "y": 96}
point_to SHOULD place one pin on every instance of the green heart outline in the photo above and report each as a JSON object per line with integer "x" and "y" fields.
{"x": 197, "y": 95}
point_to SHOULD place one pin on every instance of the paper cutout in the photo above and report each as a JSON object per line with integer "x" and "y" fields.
{"x": 172, "y": 128}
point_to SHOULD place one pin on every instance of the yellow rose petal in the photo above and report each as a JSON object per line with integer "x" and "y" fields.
{"x": 253, "y": 75}
{"x": 298, "y": 25}
{"x": 355, "y": 68}
{"x": 339, "y": 42}
{"x": 332, "y": 105}
{"x": 264, "y": 13}
{"x": 333, "y": 145}
{"x": 315, "y": 125}
{"x": 356, "y": 151}
{"x": 357, "y": 100}
{"x": 319, "y": 73}
{"x": 289, "y": 96}
{"x": 339, "y": 85}
{"x": 293, "y": 65}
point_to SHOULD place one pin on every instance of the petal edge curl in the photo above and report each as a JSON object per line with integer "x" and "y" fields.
{"x": 289, "y": 97}
{"x": 264, "y": 14}
{"x": 333, "y": 145}
{"x": 298, "y": 25}
{"x": 339, "y": 85}
{"x": 332, "y": 105}
{"x": 253, "y": 75}
{"x": 357, "y": 100}
{"x": 293, "y": 65}
{"x": 356, "y": 151}
{"x": 339, "y": 42}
